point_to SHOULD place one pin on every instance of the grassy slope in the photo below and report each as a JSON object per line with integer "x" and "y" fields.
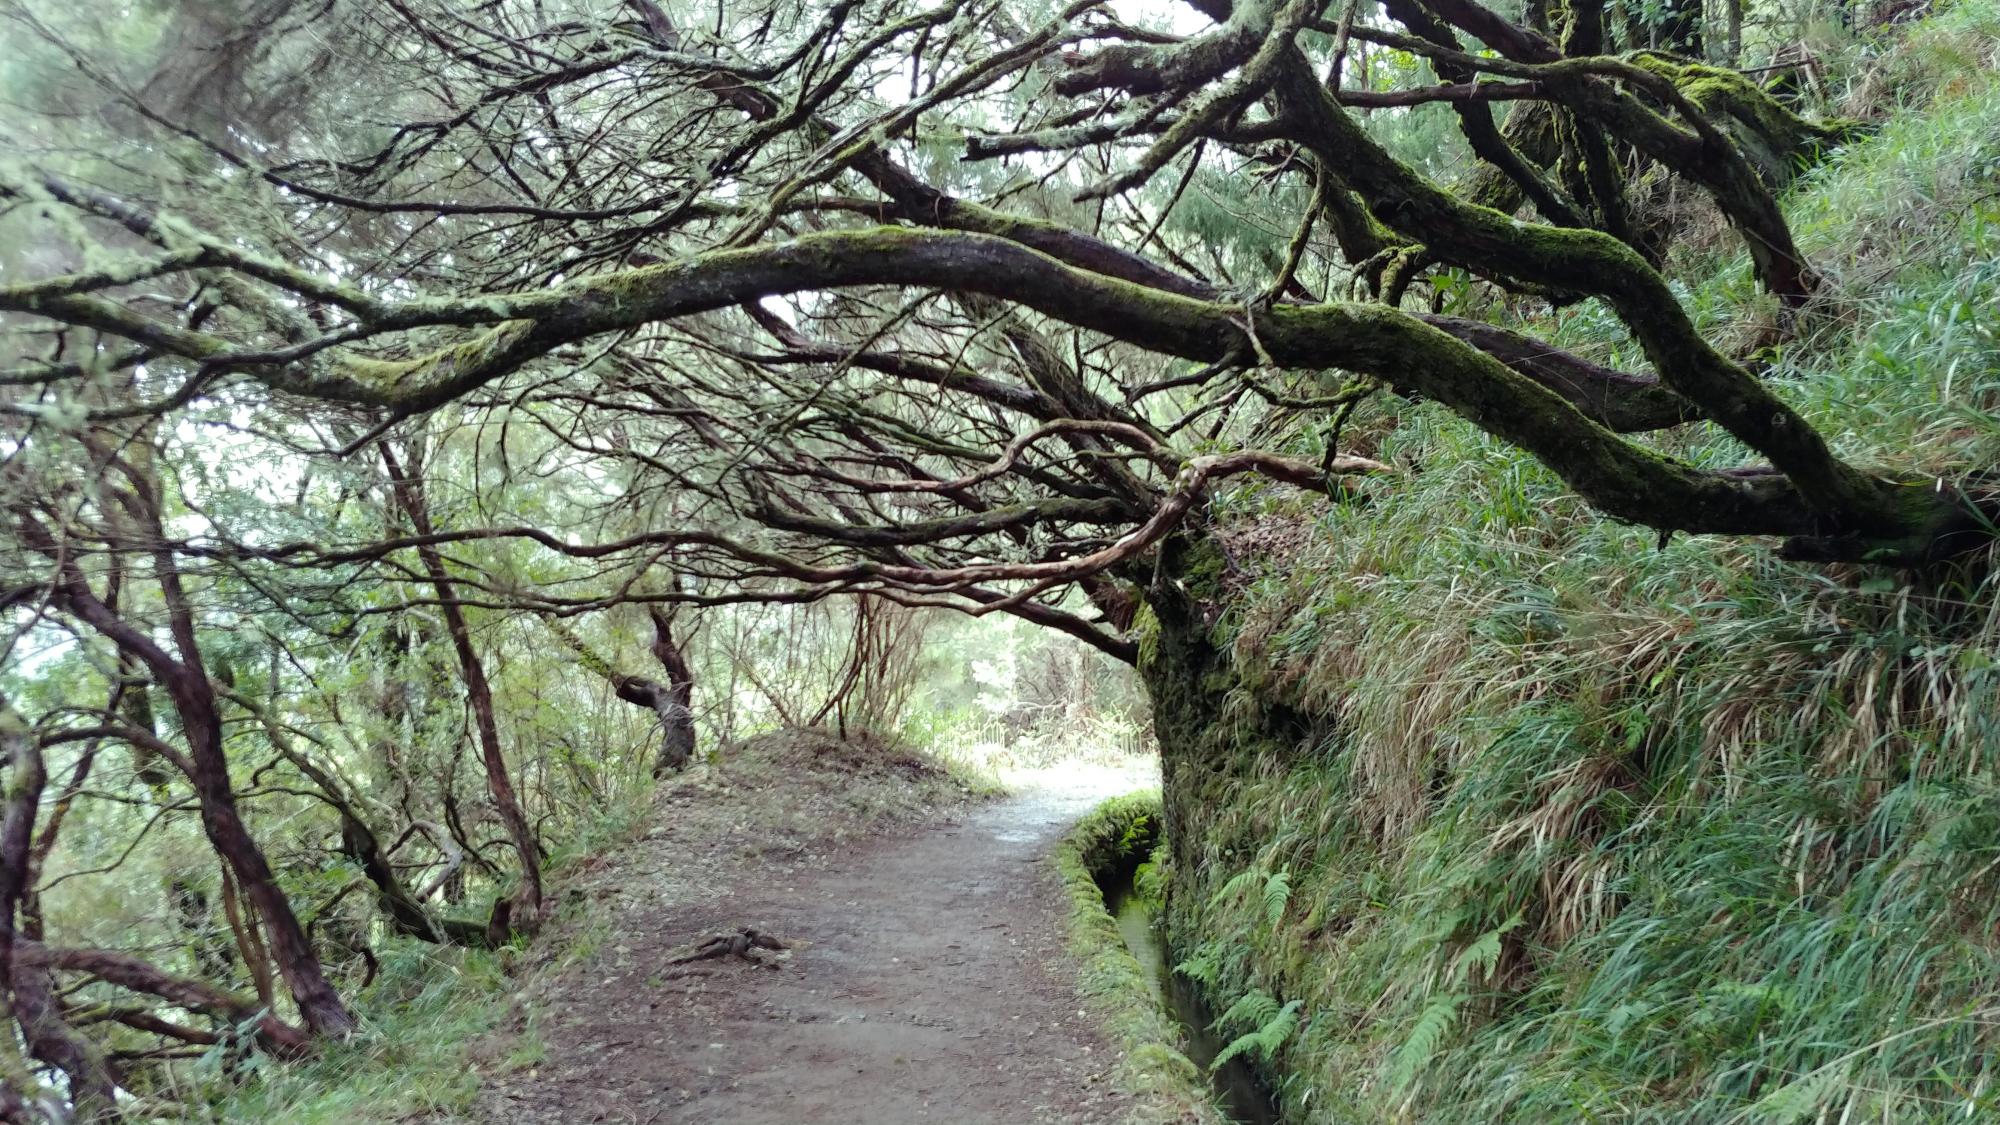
{"x": 1611, "y": 831}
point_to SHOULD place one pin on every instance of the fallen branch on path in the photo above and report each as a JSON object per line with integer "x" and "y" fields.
{"x": 743, "y": 945}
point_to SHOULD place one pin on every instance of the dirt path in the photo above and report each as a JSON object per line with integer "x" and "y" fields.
{"x": 929, "y": 983}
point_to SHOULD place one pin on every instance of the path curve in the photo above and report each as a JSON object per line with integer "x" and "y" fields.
{"x": 931, "y": 985}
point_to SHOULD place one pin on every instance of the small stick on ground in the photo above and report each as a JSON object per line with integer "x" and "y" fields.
{"x": 743, "y": 944}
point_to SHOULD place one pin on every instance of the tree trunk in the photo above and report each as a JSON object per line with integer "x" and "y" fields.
{"x": 677, "y": 738}
{"x": 1202, "y": 719}
{"x": 17, "y": 826}
{"x": 26, "y": 989}
{"x": 406, "y": 912}
{"x": 92, "y": 1089}
{"x": 256, "y": 959}
{"x": 65, "y": 1052}
{"x": 318, "y": 1004}
{"x": 409, "y": 493}
{"x": 186, "y": 683}
{"x": 1184, "y": 712}
{"x": 194, "y": 699}
{"x": 672, "y": 701}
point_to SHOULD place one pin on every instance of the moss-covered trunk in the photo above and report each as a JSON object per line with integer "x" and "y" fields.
{"x": 1209, "y": 721}
{"x": 1182, "y": 670}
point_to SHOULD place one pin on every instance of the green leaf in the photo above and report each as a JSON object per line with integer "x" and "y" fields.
{"x": 1263, "y": 1042}
{"x": 1433, "y": 1023}
{"x": 1277, "y": 893}
{"x": 1801, "y": 1097}
{"x": 1238, "y": 884}
{"x": 1484, "y": 952}
{"x": 1253, "y": 1008}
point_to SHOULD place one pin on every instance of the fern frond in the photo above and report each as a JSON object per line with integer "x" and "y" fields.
{"x": 1239, "y": 883}
{"x": 1800, "y": 1098}
{"x": 1433, "y": 1023}
{"x": 1263, "y": 1042}
{"x": 1204, "y": 967}
{"x": 1277, "y": 894}
{"x": 1483, "y": 954}
{"x": 1139, "y": 828}
{"x": 1253, "y": 1009}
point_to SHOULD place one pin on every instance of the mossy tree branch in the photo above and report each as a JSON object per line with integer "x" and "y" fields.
{"x": 1813, "y": 493}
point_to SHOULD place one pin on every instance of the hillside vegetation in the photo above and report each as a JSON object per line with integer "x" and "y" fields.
{"x": 1584, "y": 824}
{"x": 1529, "y": 468}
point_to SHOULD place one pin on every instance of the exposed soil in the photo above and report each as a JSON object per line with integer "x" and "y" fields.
{"x": 925, "y": 978}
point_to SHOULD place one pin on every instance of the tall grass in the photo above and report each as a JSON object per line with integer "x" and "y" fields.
{"x": 1600, "y": 828}
{"x": 409, "y": 1061}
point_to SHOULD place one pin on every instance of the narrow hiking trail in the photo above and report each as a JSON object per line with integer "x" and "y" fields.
{"x": 928, "y": 980}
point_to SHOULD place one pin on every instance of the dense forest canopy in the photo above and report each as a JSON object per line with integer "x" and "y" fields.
{"x": 348, "y": 342}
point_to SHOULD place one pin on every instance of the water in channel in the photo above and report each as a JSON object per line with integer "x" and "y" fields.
{"x": 1242, "y": 1094}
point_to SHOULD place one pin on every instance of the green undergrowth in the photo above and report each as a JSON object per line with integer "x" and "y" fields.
{"x": 408, "y": 1061}
{"x": 424, "y": 1018}
{"x": 1112, "y": 840}
{"x": 1569, "y": 824}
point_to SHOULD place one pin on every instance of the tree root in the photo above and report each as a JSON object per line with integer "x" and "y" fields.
{"x": 742, "y": 945}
